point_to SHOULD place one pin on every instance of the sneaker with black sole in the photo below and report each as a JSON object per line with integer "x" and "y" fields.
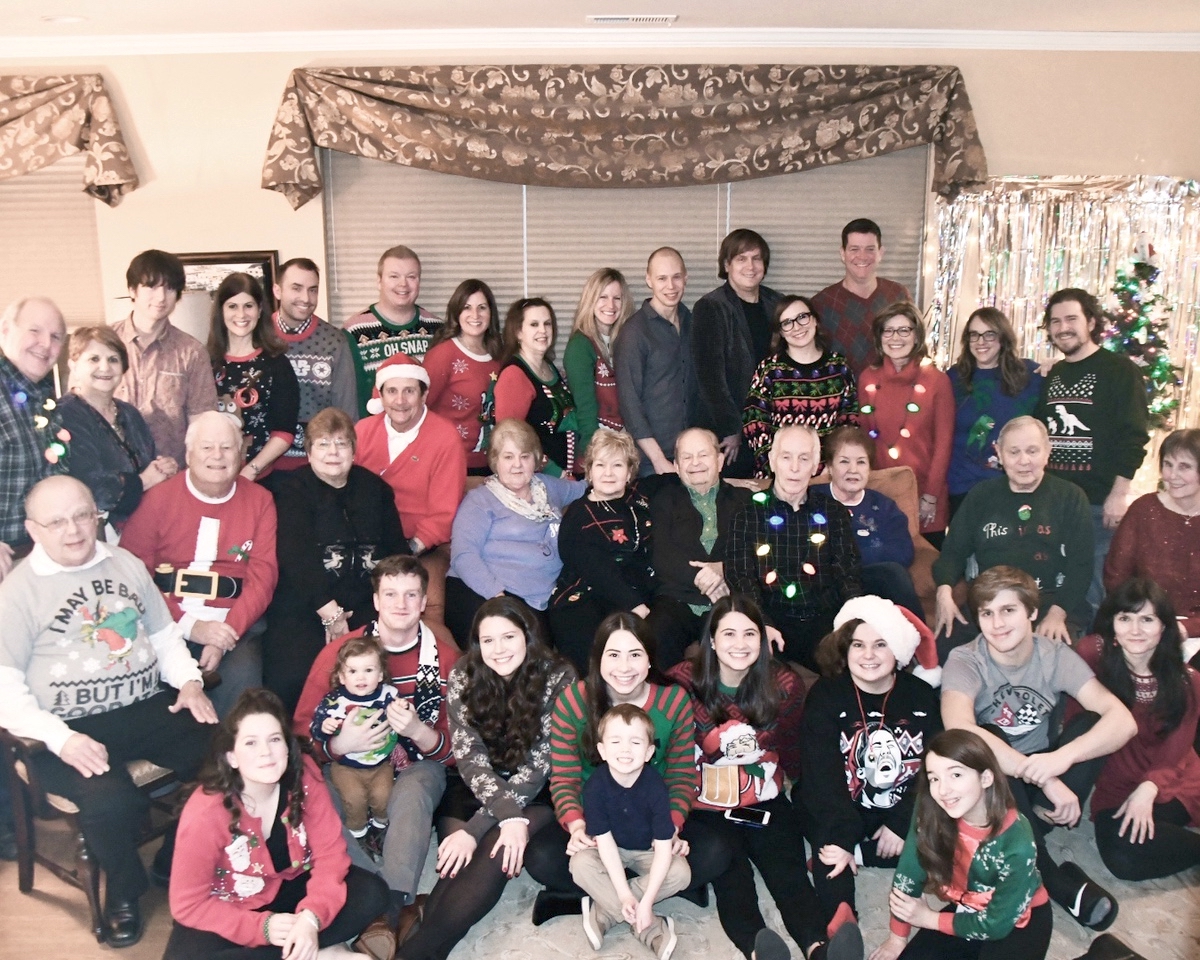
{"x": 664, "y": 944}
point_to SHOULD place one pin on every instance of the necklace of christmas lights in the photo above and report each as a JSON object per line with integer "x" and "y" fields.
{"x": 763, "y": 550}
{"x": 910, "y": 407}
{"x": 55, "y": 445}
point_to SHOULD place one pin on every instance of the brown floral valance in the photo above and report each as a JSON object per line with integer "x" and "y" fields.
{"x": 621, "y": 126}
{"x": 45, "y": 118}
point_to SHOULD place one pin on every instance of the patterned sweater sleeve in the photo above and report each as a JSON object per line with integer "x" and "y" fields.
{"x": 1008, "y": 865}
{"x": 909, "y": 877}
{"x": 682, "y": 776}
{"x": 501, "y": 798}
{"x": 757, "y": 427}
{"x": 567, "y": 721}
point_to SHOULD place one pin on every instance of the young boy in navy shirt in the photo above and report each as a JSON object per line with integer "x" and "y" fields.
{"x": 628, "y": 812}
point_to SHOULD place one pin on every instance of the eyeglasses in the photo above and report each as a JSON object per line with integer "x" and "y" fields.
{"x": 325, "y": 444}
{"x": 799, "y": 320}
{"x": 989, "y": 336}
{"x": 84, "y": 518}
{"x": 898, "y": 333}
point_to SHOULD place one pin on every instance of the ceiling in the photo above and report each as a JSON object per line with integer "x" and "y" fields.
{"x": 25, "y": 18}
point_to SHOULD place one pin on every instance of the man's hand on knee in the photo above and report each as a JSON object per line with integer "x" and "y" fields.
{"x": 88, "y": 756}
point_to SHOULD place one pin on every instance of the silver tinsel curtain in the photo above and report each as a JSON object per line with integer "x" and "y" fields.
{"x": 1020, "y": 239}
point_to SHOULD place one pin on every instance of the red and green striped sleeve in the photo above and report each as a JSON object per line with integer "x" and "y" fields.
{"x": 568, "y": 767}
{"x": 670, "y": 708}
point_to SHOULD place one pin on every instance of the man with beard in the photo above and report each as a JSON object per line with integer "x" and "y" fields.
{"x": 1094, "y": 404}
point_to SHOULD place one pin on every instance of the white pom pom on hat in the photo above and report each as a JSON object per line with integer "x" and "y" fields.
{"x": 906, "y": 634}
{"x": 397, "y": 366}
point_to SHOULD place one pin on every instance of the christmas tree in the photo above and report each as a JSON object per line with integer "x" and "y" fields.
{"x": 1137, "y": 327}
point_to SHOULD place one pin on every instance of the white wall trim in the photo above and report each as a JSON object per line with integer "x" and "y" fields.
{"x": 510, "y": 44}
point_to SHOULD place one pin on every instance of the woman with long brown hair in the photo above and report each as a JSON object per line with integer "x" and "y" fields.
{"x": 500, "y": 697}
{"x": 968, "y": 845}
{"x": 251, "y": 368}
{"x": 992, "y": 385}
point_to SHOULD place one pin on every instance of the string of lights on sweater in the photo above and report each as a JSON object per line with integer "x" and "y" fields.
{"x": 763, "y": 550}
{"x": 910, "y": 408}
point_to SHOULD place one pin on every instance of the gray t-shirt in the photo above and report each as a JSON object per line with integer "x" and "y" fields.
{"x": 1018, "y": 700}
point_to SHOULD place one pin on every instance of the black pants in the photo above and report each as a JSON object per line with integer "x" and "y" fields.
{"x": 802, "y": 633}
{"x": 462, "y": 603}
{"x": 832, "y": 891}
{"x": 1173, "y": 848}
{"x": 458, "y": 903}
{"x": 674, "y": 628}
{"x": 778, "y": 851}
{"x": 1029, "y": 942}
{"x": 574, "y": 626}
{"x": 892, "y": 582}
{"x": 547, "y": 861}
{"x": 111, "y": 808}
{"x": 366, "y": 899}
{"x": 289, "y": 647}
{"x": 1079, "y": 779}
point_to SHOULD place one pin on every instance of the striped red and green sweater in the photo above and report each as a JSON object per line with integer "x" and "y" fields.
{"x": 670, "y": 709}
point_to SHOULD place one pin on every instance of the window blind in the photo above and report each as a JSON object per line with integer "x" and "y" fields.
{"x": 543, "y": 241}
{"x": 48, "y": 244}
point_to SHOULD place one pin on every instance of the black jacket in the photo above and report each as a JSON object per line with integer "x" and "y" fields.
{"x": 677, "y": 527}
{"x": 723, "y": 357}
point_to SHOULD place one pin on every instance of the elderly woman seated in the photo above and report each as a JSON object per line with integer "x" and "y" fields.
{"x": 336, "y": 521}
{"x": 605, "y": 548}
{"x": 505, "y": 534}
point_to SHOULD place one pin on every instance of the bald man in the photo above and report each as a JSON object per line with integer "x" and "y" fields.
{"x": 86, "y": 642}
{"x": 32, "y": 333}
{"x": 208, "y": 537}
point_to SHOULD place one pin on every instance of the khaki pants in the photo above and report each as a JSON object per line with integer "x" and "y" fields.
{"x": 364, "y": 791}
{"x": 587, "y": 870}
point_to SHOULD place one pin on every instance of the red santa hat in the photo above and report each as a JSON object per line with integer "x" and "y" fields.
{"x": 905, "y": 633}
{"x": 397, "y": 366}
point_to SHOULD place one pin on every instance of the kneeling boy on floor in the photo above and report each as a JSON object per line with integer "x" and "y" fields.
{"x": 628, "y": 812}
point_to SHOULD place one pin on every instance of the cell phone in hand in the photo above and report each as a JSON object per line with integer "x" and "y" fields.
{"x": 749, "y": 816}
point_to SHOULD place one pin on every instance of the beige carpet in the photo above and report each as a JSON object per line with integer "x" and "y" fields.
{"x": 1161, "y": 919}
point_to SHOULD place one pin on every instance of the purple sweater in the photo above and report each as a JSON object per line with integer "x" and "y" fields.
{"x": 494, "y": 549}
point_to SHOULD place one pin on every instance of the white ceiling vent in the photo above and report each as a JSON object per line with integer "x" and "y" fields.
{"x": 633, "y": 19}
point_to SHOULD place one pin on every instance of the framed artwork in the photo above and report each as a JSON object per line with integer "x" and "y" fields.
{"x": 203, "y": 273}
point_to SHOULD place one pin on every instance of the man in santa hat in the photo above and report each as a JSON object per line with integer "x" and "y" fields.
{"x": 419, "y": 453}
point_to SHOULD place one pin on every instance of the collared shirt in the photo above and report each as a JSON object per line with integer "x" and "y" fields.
{"x": 399, "y": 442}
{"x": 655, "y": 384}
{"x": 23, "y": 445}
{"x": 169, "y": 380}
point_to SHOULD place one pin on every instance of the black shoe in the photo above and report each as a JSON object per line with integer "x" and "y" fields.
{"x": 123, "y": 926}
{"x": 768, "y": 945}
{"x": 1090, "y": 904}
{"x": 552, "y": 903}
{"x": 696, "y": 895}
{"x": 1108, "y": 947}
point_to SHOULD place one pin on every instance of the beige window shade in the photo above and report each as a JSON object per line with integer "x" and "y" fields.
{"x": 48, "y": 242}
{"x": 545, "y": 241}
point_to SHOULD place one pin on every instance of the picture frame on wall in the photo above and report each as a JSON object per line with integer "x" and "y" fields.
{"x": 203, "y": 273}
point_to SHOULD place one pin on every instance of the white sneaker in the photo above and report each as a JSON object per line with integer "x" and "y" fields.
{"x": 590, "y": 927}
{"x": 666, "y": 941}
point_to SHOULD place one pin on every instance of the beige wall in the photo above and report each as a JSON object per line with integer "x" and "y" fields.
{"x": 198, "y": 126}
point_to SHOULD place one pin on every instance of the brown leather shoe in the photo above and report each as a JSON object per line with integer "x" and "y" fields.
{"x": 378, "y": 940}
{"x": 410, "y": 919}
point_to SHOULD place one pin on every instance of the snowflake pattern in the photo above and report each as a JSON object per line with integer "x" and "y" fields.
{"x": 459, "y": 366}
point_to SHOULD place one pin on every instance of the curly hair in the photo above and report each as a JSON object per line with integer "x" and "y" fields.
{"x": 1166, "y": 663}
{"x": 758, "y": 694}
{"x": 833, "y": 648}
{"x": 507, "y": 712}
{"x": 364, "y": 645}
{"x": 217, "y": 776}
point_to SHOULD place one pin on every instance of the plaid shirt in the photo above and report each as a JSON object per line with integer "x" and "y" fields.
{"x": 23, "y": 445}
{"x": 846, "y": 317}
{"x": 802, "y": 561}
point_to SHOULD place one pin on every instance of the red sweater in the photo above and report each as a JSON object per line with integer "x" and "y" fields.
{"x": 428, "y": 477}
{"x": 171, "y": 524}
{"x": 218, "y": 883}
{"x": 458, "y": 383}
{"x": 884, "y": 396}
{"x": 402, "y": 674}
